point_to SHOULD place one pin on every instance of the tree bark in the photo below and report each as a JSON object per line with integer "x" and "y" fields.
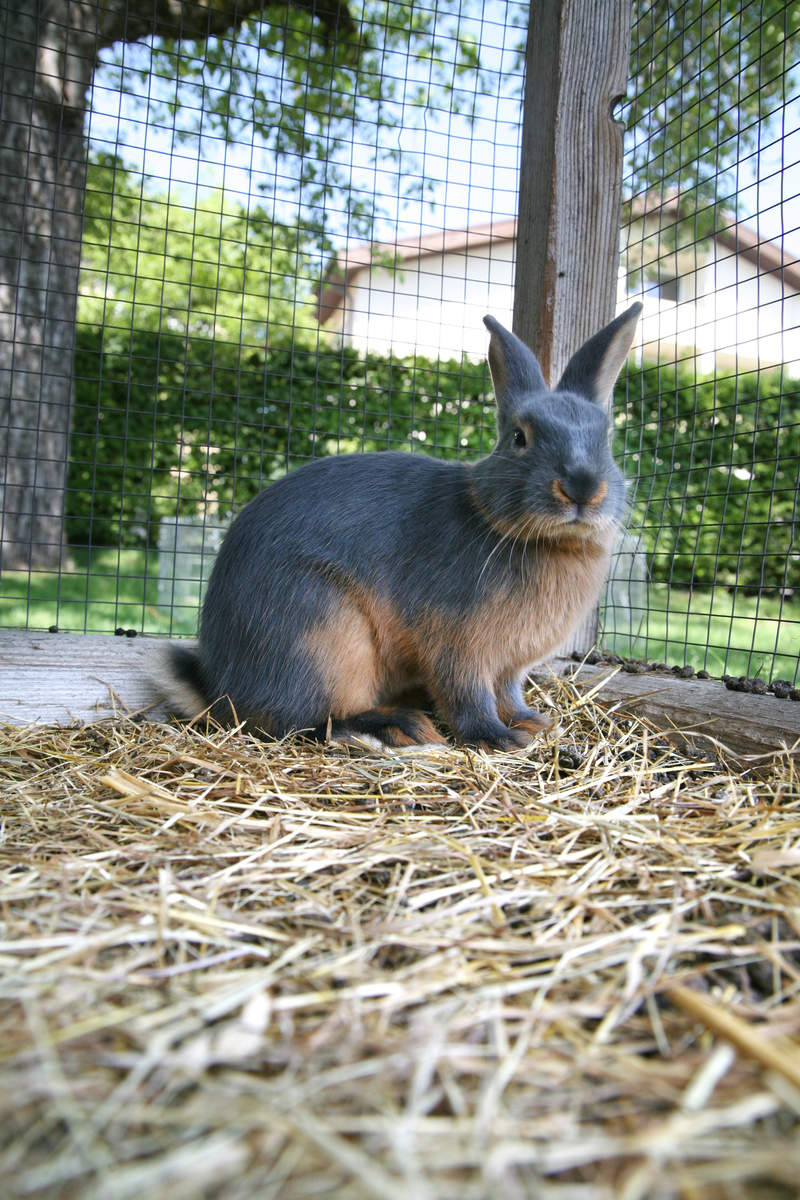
{"x": 49, "y": 54}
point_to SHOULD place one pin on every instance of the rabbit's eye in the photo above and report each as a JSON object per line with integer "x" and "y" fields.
{"x": 520, "y": 441}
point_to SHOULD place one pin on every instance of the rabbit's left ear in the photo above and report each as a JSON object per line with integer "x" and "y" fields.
{"x": 592, "y": 371}
{"x": 514, "y": 369}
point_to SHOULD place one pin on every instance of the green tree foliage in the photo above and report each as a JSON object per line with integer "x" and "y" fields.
{"x": 708, "y": 81}
{"x": 188, "y": 263}
{"x": 705, "y": 76}
{"x": 319, "y": 102}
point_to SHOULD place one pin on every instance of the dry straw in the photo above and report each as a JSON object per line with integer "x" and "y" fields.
{"x": 243, "y": 969}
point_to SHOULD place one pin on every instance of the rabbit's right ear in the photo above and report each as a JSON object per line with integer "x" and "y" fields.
{"x": 592, "y": 371}
{"x": 512, "y": 364}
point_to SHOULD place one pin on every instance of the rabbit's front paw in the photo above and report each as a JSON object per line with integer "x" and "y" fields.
{"x": 531, "y": 721}
{"x": 495, "y": 736}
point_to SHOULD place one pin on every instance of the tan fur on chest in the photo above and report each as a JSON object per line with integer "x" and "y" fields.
{"x": 511, "y": 632}
{"x": 366, "y": 653}
{"x": 565, "y": 590}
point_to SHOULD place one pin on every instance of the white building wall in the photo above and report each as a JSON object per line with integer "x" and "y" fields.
{"x": 727, "y": 315}
{"x": 433, "y": 306}
{"x": 741, "y": 315}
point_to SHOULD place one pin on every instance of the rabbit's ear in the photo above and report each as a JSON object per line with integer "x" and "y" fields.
{"x": 513, "y": 366}
{"x": 592, "y": 371}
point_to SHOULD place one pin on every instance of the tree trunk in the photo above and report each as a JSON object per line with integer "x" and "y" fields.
{"x": 49, "y": 52}
{"x": 49, "y": 58}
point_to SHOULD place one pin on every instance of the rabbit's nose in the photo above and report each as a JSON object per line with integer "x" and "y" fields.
{"x": 579, "y": 487}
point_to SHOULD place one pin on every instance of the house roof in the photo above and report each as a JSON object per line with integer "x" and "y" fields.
{"x": 737, "y": 236}
{"x": 347, "y": 264}
{"x": 769, "y": 257}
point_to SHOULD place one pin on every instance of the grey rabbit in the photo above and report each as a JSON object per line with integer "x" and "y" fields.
{"x": 358, "y": 581}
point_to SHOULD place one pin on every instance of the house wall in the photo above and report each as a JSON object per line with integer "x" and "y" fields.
{"x": 433, "y": 306}
{"x": 741, "y": 315}
{"x": 727, "y": 315}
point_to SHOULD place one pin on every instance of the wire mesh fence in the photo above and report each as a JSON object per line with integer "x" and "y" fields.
{"x": 708, "y": 430}
{"x": 223, "y": 174}
{"x": 291, "y": 224}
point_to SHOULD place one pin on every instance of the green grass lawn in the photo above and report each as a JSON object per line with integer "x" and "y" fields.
{"x": 678, "y": 626}
{"x": 107, "y": 589}
{"x": 97, "y": 592}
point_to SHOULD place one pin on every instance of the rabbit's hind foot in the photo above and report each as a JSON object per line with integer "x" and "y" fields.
{"x": 389, "y": 726}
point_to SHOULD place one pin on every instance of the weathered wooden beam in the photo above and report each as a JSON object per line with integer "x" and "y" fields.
{"x": 702, "y": 713}
{"x": 65, "y": 677}
{"x": 571, "y": 176}
{"x": 60, "y": 678}
{"x": 570, "y": 186}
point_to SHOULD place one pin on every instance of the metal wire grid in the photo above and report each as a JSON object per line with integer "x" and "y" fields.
{"x": 708, "y": 430}
{"x": 201, "y": 371}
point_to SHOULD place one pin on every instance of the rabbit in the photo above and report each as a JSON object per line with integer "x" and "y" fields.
{"x": 360, "y": 579}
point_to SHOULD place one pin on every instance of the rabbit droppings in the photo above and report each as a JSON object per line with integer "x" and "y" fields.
{"x": 360, "y": 579}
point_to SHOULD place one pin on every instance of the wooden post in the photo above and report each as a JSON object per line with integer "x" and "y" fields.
{"x": 570, "y": 184}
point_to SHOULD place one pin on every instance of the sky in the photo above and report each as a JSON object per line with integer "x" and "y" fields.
{"x": 768, "y": 185}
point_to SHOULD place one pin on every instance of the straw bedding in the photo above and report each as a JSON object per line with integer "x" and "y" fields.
{"x": 235, "y": 968}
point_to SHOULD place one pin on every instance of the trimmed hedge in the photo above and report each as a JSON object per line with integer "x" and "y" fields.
{"x": 165, "y": 425}
{"x": 715, "y": 463}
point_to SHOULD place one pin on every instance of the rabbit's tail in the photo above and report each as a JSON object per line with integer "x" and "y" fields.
{"x": 390, "y": 726}
{"x": 181, "y": 680}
